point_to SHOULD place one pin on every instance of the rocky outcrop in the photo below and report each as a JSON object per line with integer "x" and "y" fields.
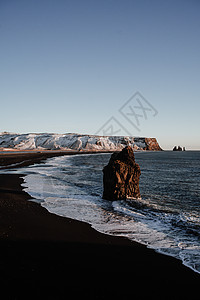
{"x": 152, "y": 144}
{"x": 121, "y": 176}
{"x": 178, "y": 148}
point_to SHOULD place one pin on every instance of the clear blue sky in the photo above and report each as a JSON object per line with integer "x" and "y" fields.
{"x": 69, "y": 66}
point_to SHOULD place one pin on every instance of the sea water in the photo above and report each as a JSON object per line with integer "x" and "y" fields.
{"x": 166, "y": 218}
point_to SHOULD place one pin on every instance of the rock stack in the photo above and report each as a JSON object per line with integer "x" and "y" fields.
{"x": 178, "y": 148}
{"x": 121, "y": 176}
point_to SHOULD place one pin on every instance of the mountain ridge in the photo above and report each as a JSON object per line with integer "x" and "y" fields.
{"x": 74, "y": 141}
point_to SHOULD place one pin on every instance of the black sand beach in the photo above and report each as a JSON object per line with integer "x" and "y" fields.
{"x": 45, "y": 256}
{"x": 8, "y": 159}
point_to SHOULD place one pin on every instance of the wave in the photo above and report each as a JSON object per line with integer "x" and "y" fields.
{"x": 72, "y": 187}
{"x": 165, "y": 232}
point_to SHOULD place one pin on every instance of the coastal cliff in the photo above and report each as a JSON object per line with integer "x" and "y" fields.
{"x": 73, "y": 141}
{"x": 152, "y": 144}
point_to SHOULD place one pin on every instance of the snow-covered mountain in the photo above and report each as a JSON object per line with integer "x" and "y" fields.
{"x": 72, "y": 141}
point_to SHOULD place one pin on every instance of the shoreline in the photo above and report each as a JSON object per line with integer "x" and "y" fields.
{"x": 28, "y": 157}
{"x": 37, "y": 247}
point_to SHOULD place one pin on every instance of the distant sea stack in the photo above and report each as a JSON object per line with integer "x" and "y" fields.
{"x": 74, "y": 141}
{"x": 121, "y": 176}
{"x": 178, "y": 148}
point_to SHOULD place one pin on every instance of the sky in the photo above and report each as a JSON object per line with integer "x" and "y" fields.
{"x": 114, "y": 67}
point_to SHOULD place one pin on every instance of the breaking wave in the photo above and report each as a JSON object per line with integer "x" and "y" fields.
{"x": 166, "y": 218}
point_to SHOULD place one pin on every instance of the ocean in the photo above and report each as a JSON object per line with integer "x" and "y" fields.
{"x": 166, "y": 218}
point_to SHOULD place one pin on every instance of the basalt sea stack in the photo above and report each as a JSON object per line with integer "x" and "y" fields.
{"x": 121, "y": 176}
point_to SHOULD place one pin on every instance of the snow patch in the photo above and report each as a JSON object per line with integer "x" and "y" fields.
{"x": 69, "y": 141}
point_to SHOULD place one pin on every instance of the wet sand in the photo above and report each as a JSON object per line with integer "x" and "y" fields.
{"x": 51, "y": 257}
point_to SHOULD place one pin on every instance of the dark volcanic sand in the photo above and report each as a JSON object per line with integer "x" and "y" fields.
{"x": 28, "y": 157}
{"x": 44, "y": 256}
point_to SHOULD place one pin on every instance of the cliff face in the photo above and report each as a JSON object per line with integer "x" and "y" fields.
{"x": 51, "y": 141}
{"x": 152, "y": 144}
